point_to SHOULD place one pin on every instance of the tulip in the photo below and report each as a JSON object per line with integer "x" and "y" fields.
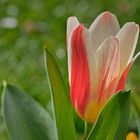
{"x": 99, "y": 59}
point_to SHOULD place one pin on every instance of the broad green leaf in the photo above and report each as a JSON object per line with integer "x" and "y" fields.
{"x": 25, "y": 118}
{"x": 3, "y": 131}
{"x": 113, "y": 120}
{"x": 61, "y": 109}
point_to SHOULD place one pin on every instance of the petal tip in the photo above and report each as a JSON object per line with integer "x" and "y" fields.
{"x": 72, "y": 18}
{"x": 108, "y": 15}
{"x": 132, "y": 24}
{"x": 115, "y": 39}
{"x": 138, "y": 27}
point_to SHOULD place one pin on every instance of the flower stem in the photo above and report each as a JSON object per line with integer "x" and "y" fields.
{"x": 85, "y": 131}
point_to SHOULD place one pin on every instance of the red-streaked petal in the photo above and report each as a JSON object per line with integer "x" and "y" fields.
{"x": 104, "y": 26}
{"x": 122, "y": 81}
{"x": 127, "y": 36}
{"x": 72, "y": 23}
{"x": 107, "y": 69}
{"x": 80, "y": 80}
{"x": 108, "y": 63}
{"x": 93, "y": 110}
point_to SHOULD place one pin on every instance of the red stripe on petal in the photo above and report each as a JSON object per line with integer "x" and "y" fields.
{"x": 108, "y": 59}
{"x": 79, "y": 89}
{"x": 114, "y": 71}
{"x": 122, "y": 81}
{"x": 102, "y": 83}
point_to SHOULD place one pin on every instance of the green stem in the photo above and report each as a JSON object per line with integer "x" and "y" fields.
{"x": 85, "y": 131}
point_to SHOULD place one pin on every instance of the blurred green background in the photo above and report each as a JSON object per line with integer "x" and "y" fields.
{"x": 26, "y": 26}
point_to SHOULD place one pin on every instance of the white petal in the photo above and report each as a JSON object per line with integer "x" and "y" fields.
{"x": 107, "y": 65}
{"x": 136, "y": 56}
{"x": 128, "y": 37}
{"x": 91, "y": 58}
{"x": 72, "y": 23}
{"x": 105, "y": 25}
{"x": 123, "y": 77}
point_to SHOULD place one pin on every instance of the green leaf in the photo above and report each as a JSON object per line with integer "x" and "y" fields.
{"x": 25, "y": 118}
{"x": 3, "y": 130}
{"x": 113, "y": 121}
{"x": 61, "y": 109}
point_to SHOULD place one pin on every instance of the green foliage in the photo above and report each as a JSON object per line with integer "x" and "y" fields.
{"x": 61, "y": 109}
{"x": 113, "y": 121}
{"x": 25, "y": 118}
{"x": 3, "y": 133}
{"x": 42, "y": 22}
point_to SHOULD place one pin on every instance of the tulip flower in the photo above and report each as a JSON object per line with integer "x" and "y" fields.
{"x": 99, "y": 59}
